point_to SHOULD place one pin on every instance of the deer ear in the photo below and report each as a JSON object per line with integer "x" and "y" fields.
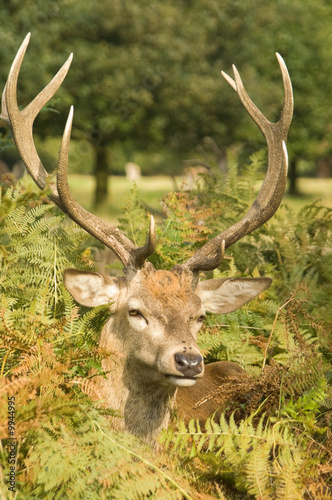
{"x": 90, "y": 289}
{"x": 227, "y": 295}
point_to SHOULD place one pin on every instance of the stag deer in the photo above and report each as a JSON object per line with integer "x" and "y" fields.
{"x": 155, "y": 315}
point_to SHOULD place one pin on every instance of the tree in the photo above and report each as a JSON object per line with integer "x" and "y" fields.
{"x": 135, "y": 76}
{"x": 147, "y": 74}
{"x": 146, "y": 68}
{"x": 300, "y": 31}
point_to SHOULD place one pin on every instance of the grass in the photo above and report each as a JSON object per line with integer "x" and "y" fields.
{"x": 311, "y": 189}
{"x": 152, "y": 189}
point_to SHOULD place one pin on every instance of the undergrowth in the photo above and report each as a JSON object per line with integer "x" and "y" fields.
{"x": 272, "y": 437}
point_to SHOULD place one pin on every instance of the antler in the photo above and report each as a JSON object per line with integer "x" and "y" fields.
{"x": 210, "y": 255}
{"x": 270, "y": 195}
{"x": 21, "y": 124}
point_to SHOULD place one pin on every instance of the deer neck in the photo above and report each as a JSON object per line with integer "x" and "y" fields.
{"x": 148, "y": 405}
{"x": 142, "y": 405}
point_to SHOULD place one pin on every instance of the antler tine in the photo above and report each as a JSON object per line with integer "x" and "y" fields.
{"x": 108, "y": 234}
{"x": 288, "y": 106}
{"x": 270, "y": 195}
{"x": 4, "y": 112}
{"x": 21, "y": 124}
{"x": 143, "y": 252}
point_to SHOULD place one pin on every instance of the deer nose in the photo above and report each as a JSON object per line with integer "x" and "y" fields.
{"x": 188, "y": 364}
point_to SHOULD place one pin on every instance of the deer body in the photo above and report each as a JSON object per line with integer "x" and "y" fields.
{"x": 198, "y": 402}
{"x": 155, "y": 315}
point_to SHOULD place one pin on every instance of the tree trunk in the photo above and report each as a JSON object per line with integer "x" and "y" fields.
{"x": 100, "y": 172}
{"x": 293, "y": 178}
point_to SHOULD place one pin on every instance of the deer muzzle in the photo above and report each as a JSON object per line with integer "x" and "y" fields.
{"x": 187, "y": 368}
{"x": 190, "y": 365}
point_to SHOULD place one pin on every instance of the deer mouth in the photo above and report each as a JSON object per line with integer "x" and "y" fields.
{"x": 181, "y": 381}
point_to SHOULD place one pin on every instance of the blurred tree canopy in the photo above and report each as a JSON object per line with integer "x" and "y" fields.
{"x": 147, "y": 74}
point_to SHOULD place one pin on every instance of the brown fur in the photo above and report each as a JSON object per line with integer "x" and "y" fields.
{"x": 169, "y": 287}
{"x": 199, "y": 402}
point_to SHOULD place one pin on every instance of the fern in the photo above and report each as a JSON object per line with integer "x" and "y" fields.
{"x": 265, "y": 471}
{"x": 43, "y": 250}
{"x": 76, "y": 456}
{"x": 134, "y": 221}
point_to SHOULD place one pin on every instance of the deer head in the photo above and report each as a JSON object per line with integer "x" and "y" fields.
{"x": 155, "y": 315}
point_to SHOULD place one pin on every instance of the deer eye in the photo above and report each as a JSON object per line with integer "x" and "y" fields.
{"x": 135, "y": 312}
{"x": 201, "y": 318}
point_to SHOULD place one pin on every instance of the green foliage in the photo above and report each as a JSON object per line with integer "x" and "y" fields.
{"x": 182, "y": 231}
{"x": 23, "y": 237}
{"x": 149, "y": 74}
{"x": 134, "y": 220}
{"x": 272, "y": 469}
{"x": 75, "y": 455}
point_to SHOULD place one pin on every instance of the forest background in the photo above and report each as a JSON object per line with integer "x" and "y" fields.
{"x": 146, "y": 83}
